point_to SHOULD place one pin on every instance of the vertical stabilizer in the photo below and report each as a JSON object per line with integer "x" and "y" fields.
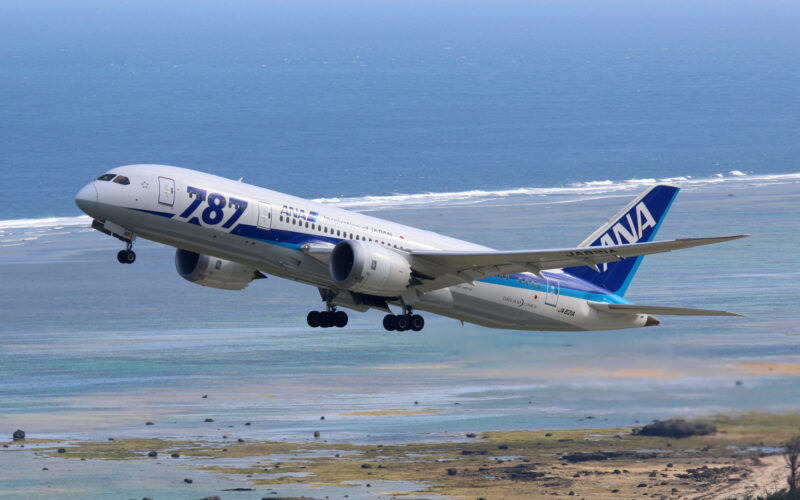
{"x": 638, "y": 222}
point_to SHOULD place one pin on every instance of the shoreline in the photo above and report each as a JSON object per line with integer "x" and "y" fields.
{"x": 741, "y": 458}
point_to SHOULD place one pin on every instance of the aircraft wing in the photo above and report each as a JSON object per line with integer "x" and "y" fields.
{"x": 439, "y": 269}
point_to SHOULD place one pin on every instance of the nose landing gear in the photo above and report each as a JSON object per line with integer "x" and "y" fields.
{"x": 127, "y": 256}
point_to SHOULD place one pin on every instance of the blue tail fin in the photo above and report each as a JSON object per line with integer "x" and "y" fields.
{"x": 636, "y": 223}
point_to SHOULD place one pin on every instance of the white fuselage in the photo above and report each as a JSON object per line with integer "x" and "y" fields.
{"x": 270, "y": 232}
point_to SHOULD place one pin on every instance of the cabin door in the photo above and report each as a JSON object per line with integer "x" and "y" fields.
{"x": 264, "y": 215}
{"x": 166, "y": 191}
{"x": 553, "y": 288}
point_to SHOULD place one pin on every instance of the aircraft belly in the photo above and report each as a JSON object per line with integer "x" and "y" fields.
{"x": 505, "y": 307}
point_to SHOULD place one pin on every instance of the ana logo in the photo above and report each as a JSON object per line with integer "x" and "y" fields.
{"x": 638, "y": 220}
{"x": 299, "y": 213}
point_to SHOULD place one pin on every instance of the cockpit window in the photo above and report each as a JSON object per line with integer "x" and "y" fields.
{"x": 106, "y": 177}
{"x": 121, "y": 179}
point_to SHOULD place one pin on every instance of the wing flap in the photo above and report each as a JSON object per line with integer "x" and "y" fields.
{"x": 662, "y": 310}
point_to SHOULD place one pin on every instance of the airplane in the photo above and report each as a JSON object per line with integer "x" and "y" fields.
{"x": 228, "y": 233}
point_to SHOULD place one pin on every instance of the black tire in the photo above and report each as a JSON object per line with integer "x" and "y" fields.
{"x": 313, "y": 319}
{"x": 130, "y": 257}
{"x": 325, "y": 319}
{"x": 340, "y": 319}
{"x": 390, "y": 322}
{"x": 121, "y": 257}
{"x": 403, "y": 323}
{"x": 417, "y": 322}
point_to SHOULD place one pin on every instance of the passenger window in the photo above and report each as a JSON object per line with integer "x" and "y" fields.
{"x": 121, "y": 179}
{"x": 106, "y": 177}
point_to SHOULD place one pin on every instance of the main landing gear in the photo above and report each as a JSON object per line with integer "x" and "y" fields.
{"x": 403, "y": 322}
{"x": 127, "y": 256}
{"x": 327, "y": 319}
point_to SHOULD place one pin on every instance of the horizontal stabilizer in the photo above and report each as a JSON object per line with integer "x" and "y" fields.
{"x": 667, "y": 311}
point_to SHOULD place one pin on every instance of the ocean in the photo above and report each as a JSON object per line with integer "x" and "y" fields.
{"x": 512, "y": 124}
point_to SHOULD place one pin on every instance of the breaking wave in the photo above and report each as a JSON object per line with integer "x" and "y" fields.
{"x": 591, "y": 188}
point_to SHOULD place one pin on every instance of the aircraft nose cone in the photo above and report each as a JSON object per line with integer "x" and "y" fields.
{"x": 86, "y": 199}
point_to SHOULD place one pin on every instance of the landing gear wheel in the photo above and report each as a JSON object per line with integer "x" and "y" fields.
{"x": 417, "y": 322}
{"x": 340, "y": 319}
{"x": 403, "y": 323}
{"x": 326, "y": 319}
{"x": 126, "y": 256}
{"x": 390, "y": 322}
{"x": 313, "y": 319}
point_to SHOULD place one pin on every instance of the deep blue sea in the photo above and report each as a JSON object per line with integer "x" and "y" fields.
{"x": 511, "y": 124}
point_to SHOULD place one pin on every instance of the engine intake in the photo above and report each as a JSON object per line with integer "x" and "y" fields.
{"x": 364, "y": 267}
{"x": 213, "y": 272}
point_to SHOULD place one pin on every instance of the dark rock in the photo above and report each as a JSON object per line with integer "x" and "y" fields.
{"x": 212, "y": 497}
{"x": 549, "y": 434}
{"x": 416, "y": 402}
{"x": 240, "y": 440}
{"x": 5, "y": 446}
{"x": 369, "y": 485}
{"x": 452, "y": 472}
{"x": 470, "y": 434}
{"x": 615, "y": 490}
{"x": 677, "y": 428}
{"x": 224, "y": 449}
{"x": 110, "y": 439}
{"x": 605, "y": 455}
{"x": 209, "y": 420}
{"x": 152, "y": 454}
{"x": 205, "y": 396}
{"x": 175, "y": 455}
{"x": 652, "y": 474}
{"x": 240, "y": 489}
{"x": 739, "y": 383}
{"x": 502, "y": 446}
{"x": 669, "y": 464}
{"x": 571, "y": 493}
{"x": 45, "y": 468}
{"x": 187, "y": 480}
{"x": 366, "y": 466}
{"x": 316, "y": 434}
{"x": 149, "y": 423}
{"x": 19, "y": 435}
{"x": 247, "y": 423}
{"x": 467, "y": 452}
{"x": 641, "y": 485}
{"x": 322, "y": 417}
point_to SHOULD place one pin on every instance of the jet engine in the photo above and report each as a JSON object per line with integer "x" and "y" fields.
{"x": 211, "y": 271}
{"x": 365, "y": 267}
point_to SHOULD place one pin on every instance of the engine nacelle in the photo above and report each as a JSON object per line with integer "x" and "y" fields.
{"x": 214, "y": 272}
{"x": 364, "y": 267}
